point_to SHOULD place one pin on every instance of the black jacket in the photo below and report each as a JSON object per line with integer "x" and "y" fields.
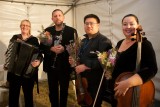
{"x": 98, "y": 43}
{"x": 62, "y": 59}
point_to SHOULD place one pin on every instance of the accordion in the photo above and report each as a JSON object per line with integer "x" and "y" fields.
{"x": 19, "y": 57}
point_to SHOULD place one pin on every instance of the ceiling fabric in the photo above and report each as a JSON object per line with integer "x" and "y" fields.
{"x": 43, "y": 2}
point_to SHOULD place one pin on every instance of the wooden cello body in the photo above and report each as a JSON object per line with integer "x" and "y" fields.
{"x": 146, "y": 94}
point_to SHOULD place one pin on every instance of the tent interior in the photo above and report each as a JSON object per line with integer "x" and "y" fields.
{"x": 110, "y": 13}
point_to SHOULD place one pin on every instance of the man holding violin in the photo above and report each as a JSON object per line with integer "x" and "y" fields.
{"x": 89, "y": 67}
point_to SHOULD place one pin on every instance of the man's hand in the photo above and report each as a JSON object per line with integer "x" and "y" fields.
{"x": 72, "y": 61}
{"x": 47, "y": 34}
{"x": 57, "y": 49}
{"x": 81, "y": 68}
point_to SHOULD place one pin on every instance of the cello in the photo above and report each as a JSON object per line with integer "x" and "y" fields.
{"x": 136, "y": 96}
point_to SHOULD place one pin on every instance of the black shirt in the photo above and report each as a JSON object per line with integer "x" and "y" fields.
{"x": 62, "y": 58}
{"x": 126, "y": 61}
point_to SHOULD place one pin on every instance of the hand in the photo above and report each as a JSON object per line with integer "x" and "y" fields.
{"x": 81, "y": 68}
{"x": 35, "y": 63}
{"x": 72, "y": 61}
{"x": 57, "y": 49}
{"x": 108, "y": 75}
{"x": 47, "y": 34}
{"x": 121, "y": 88}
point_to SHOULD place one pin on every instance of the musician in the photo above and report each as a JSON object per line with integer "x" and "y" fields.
{"x": 89, "y": 66}
{"x": 56, "y": 63}
{"x": 127, "y": 55}
{"x": 15, "y": 81}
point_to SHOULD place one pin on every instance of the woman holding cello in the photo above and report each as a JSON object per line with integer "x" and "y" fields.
{"x": 134, "y": 68}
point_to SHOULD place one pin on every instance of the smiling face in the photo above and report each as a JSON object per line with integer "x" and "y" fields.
{"x": 25, "y": 27}
{"x": 129, "y": 26}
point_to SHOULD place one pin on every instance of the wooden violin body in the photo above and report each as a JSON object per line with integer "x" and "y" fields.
{"x": 83, "y": 97}
{"x": 146, "y": 95}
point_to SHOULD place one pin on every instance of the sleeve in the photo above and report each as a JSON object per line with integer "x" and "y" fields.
{"x": 11, "y": 43}
{"x": 148, "y": 62}
{"x": 44, "y": 48}
{"x": 36, "y": 44}
{"x": 104, "y": 44}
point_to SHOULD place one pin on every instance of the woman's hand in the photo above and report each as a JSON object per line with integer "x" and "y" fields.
{"x": 35, "y": 63}
{"x": 121, "y": 88}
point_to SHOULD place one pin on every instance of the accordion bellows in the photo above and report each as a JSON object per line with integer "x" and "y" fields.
{"x": 18, "y": 58}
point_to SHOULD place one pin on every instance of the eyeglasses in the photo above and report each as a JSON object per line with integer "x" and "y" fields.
{"x": 25, "y": 26}
{"x": 90, "y": 23}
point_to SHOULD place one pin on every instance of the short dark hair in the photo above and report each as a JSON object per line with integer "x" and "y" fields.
{"x": 57, "y": 10}
{"x": 92, "y": 16}
{"x": 132, "y": 15}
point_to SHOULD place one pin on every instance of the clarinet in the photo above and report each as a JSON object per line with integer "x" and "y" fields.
{"x": 57, "y": 41}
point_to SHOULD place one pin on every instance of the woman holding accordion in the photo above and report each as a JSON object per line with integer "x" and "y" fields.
{"x": 23, "y": 67}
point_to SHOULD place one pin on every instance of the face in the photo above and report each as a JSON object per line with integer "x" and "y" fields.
{"x": 91, "y": 26}
{"x": 25, "y": 27}
{"x": 129, "y": 26}
{"x": 58, "y": 18}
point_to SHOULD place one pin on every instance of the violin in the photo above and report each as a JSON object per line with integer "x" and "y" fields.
{"x": 136, "y": 96}
{"x": 83, "y": 96}
{"x": 81, "y": 84}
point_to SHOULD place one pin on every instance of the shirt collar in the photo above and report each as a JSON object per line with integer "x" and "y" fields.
{"x": 93, "y": 35}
